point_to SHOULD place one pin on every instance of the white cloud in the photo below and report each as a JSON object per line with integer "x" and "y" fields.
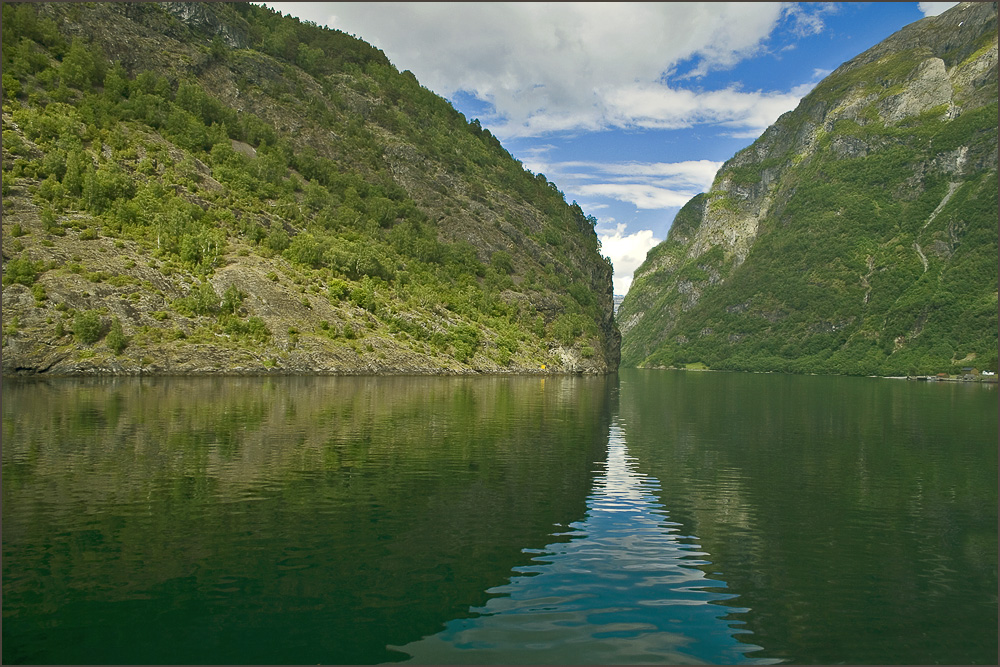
{"x": 655, "y": 106}
{"x": 647, "y": 185}
{"x": 550, "y": 67}
{"x": 694, "y": 171}
{"x": 626, "y": 252}
{"x": 643, "y": 196}
{"x": 934, "y": 8}
{"x": 659, "y": 186}
{"x": 690, "y": 173}
{"x": 807, "y": 19}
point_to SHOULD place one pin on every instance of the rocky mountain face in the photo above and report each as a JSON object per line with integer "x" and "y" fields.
{"x": 857, "y": 235}
{"x": 217, "y": 188}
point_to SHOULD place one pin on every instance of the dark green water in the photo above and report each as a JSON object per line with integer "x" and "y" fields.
{"x": 651, "y": 517}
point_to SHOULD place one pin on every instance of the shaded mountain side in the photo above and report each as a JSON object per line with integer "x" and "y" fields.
{"x": 857, "y": 235}
{"x": 215, "y": 187}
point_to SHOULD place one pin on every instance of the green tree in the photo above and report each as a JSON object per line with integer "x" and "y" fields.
{"x": 502, "y": 262}
{"x": 232, "y": 299}
{"x": 73, "y": 177}
{"x": 116, "y": 83}
{"x": 87, "y": 326}
{"x": 22, "y": 271}
{"x": 116, "y": 339}
{"x": 81, "y": 67}
{"x": 201, "y": 300}
{"x": 11, "y": 87}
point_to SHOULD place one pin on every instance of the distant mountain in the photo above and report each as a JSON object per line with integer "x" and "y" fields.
{"x": 215, "y": 187}
{"x": 857, "y": 235}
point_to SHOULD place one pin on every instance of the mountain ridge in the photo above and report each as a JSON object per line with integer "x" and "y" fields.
{"x": 214, "y": 188}
{"x": 809, "y": 252}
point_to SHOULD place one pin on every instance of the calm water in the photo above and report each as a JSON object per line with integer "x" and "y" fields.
{"x": 651, "y": 517}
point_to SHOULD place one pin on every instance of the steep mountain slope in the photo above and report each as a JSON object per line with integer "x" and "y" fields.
{"x": 215, "y": 187}
{"x": 857, "y": 235}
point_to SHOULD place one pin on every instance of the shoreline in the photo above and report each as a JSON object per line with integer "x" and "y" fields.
{"x": 977, "y": 378}
{"x": 92, "y": 372}
{"x": 22, "y": 359}
{"x": 992, "y": 379}
{"x": 289, "y": 372}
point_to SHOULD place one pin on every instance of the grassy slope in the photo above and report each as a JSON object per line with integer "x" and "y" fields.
{"x": 858, "y": 268}
{"x": 184, "y": 195}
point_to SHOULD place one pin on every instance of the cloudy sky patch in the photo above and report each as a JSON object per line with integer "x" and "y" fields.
{"x": 627, "y": 252}
{"x": 934, "y": 8}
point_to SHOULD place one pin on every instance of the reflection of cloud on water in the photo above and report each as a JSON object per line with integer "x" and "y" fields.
{"x": 624, "y": 589}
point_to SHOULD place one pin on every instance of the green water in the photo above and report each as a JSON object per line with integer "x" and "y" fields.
{"x": 650, "y": 517}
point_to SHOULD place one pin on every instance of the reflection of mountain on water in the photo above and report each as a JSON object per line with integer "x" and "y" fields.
{"x": 276, "y": 520}
{"x": 624, "y": 589}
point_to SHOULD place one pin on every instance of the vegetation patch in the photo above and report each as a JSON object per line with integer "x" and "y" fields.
{"x": 146, "y": 163}
{"x": 877, "y": 255}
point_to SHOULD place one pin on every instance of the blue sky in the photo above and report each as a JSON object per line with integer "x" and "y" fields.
{"x": 629, "y": 109}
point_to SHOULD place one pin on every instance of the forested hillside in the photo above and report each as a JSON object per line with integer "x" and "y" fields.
{"x": 215, "y": 187}
{"x": 857, "y": 235}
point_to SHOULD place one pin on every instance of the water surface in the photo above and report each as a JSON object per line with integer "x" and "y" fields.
{"x": 651, "y": 517}
{"x": 855, "y": 517}
{"x": 626, "y": 589}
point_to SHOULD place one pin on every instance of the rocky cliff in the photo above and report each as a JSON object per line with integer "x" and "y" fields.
{"x": 856, "y": 235}
{"x": 217, "y": 188}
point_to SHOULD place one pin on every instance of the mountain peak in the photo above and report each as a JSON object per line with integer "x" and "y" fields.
{"x": 809, "y": 252}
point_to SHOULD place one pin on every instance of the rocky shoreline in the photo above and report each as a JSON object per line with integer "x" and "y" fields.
{"x": 990, "y": 379}
{"x": 24, "y": 357}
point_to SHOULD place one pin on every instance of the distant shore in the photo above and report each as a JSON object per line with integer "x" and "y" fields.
{"x": 966, "y": 377}
{"x": 989, "y": 379}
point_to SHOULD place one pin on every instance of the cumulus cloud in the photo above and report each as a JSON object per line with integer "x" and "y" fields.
{"x": 647, "y": 185}
{"x": 934, "y": 8}
{"x": 661, "y": 107}
{"x": 808, "y": 20}
{"x": 627, "y": 252}
{"x": 658, "y": 186}
{"x": 643, "y": 196}
{"x": 552, "y": 67}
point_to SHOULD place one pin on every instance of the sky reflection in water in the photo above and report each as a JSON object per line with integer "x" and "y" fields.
{"x": 625, "y": 588}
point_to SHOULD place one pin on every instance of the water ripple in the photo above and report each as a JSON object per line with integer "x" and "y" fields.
{"x": 625, "y": 588}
